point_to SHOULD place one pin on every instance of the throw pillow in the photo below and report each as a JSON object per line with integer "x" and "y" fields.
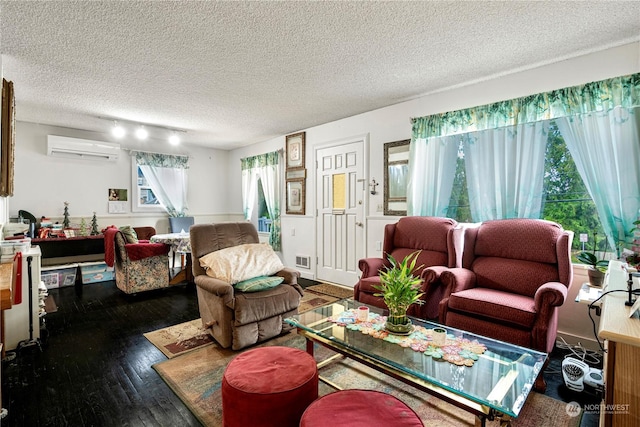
{"x": 259, "y": 283}
{"x": 242, "y": 262}
{"x": 129, "y": 234}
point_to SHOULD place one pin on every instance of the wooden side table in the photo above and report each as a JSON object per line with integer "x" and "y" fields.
{"x": 622, "y": 335}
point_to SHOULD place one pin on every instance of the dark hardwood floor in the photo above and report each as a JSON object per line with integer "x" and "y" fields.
{"x": 95, "y": 365}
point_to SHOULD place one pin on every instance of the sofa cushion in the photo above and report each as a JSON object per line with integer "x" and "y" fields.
{"x": 129, "y": 234}
{"x": 503, "y": 307}
{"x": 513, "y": 275}
{"x": 259, "y": 283}
{"x": 252, "y": 307}
{"x": 242, "y": 262}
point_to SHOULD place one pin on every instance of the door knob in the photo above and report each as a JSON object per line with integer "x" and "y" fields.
{"x": 359, "y": 224}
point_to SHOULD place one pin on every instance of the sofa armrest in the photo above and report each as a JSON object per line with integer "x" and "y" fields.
{"x": 458, "y": 279}
{"x": 431, "y": 276}
{"x": 290, "y": 275}
{"x": 214, "y": 286}
{"x": 550, "y": 294}
{"x": 371, "y": 266}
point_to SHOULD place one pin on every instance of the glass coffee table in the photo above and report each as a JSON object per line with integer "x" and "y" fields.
{"x": 492, "y": 383}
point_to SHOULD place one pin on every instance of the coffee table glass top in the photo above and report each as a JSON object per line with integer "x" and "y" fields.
{"x": 501, "y": 378}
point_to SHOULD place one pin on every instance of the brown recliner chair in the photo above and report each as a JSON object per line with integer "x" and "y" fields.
{"x": 238, "y": 319}
{"x": 434, "y": 237}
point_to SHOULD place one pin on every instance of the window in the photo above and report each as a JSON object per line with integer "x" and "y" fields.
{"x": 566, "y": 202}
{"x": 264, "y": 219}
{"x": 143, "y": 199}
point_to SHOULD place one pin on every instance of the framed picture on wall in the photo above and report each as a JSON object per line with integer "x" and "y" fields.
{"x": 295, "y": 151}
{"x": 295, "y": 197}
{"x": 8, "y": 140}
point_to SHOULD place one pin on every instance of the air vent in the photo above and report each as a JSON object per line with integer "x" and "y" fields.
{"x": 303, "y": 261}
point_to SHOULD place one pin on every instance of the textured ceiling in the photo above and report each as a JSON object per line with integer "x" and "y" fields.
{"x": 235, "y": 73}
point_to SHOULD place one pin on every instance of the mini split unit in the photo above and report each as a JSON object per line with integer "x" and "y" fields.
{"x": 76, "y": 148}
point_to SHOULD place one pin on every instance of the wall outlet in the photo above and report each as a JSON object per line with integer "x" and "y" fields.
{"x": 378, "y": 245}
{"x": 293, "y": 231}
{"x": 380, "y": 207}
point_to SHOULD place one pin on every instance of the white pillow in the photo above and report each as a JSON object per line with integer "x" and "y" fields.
{"x": 242, "y": 262}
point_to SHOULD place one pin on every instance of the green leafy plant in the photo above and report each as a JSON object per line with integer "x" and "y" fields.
{"x": 399, "y": 287}
{"x": 591, "y": 259}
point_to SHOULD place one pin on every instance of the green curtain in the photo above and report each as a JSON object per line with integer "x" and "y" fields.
{"x": 591, "y": 118}
{"x": 167, "y": 175}
{"x": 606, "y": 149}
{"x": 265, "y": 167}
{"x": 603, "y": 95}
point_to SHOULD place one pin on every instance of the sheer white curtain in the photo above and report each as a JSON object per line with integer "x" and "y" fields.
{"x": 249, "y": 183}
{"x": 266, "y": 169}
{"x": 605, "y": 147}
{"x": 170, "y": 187}
{"x": 505, "y": 171}
{"x": 432, "y": 169}
{"x": 167, "y": 177}
{"x": 270, "y": 178}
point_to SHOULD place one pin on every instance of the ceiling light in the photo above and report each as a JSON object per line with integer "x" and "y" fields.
{"x": 141, "y": 133}
{"x": 174, "y": 139}
{"x": 118, "y": 131}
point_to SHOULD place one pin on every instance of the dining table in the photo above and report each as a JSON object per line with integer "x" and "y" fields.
{"x": 180, "y": 244}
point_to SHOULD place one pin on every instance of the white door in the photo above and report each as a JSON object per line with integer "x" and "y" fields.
{"x": 340, "y": 191}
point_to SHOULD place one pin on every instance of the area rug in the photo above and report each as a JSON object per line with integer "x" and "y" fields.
{"x": 333, "y": 290}
{"x": 311, "y": 300}
{"x": 179, "y": 339}
{"x": 196, "y": 378}
{"x": 175, "y": 340}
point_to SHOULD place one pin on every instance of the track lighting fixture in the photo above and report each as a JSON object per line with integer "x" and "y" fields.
{"x": 141, "y": 132}
{"x": 117, "y": 130}
{"x": 174, "y": 139}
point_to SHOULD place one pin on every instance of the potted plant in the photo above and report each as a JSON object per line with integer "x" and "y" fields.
{"x": 400, "y": 288}
{"x": 597, "y": 267}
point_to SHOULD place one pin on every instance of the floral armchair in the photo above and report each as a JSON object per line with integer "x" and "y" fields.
{"x": 433, "y": 237}
{"x": 140, "y": 266}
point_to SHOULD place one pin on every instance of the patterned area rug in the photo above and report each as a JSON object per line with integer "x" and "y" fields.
{"x": 196, "y": 379}
{"x": 179, "y": 339}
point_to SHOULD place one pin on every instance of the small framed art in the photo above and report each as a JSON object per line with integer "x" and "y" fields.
{"x": 295, "y": 197}
{"x": 295, "y": 151}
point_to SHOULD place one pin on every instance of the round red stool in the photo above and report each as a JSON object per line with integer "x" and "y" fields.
{"x": 268, "y": 386}
{"x": 359, "y": 408}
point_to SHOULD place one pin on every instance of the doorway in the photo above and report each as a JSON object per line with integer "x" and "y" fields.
{"x": 340, "y": 207}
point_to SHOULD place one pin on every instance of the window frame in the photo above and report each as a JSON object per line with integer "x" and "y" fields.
{"x": 135, "y": 199}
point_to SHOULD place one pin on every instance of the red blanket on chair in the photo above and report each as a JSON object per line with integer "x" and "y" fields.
{"x": 135, "y": 251}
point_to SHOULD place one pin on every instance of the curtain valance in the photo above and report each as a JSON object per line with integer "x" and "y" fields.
{"x": 261, "y": 160}
{"x": 161, "y": 160}
{"x": 600, "y": 96}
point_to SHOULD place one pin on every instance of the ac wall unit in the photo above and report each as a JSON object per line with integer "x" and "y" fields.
{"x": 62, "y": 146}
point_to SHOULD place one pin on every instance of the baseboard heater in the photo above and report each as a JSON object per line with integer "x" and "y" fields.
{"x": 303, "y": 261}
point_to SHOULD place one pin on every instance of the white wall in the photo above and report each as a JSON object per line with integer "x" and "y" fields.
{"x": 393, "y": 123}
{"x": 44, "y": 183}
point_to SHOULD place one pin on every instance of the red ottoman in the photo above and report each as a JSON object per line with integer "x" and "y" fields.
{"x": 359, "y": 408}
{"x": 268, "y": 386}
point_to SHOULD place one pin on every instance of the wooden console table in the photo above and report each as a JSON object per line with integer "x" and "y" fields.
{"x": 622, "y": 335}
